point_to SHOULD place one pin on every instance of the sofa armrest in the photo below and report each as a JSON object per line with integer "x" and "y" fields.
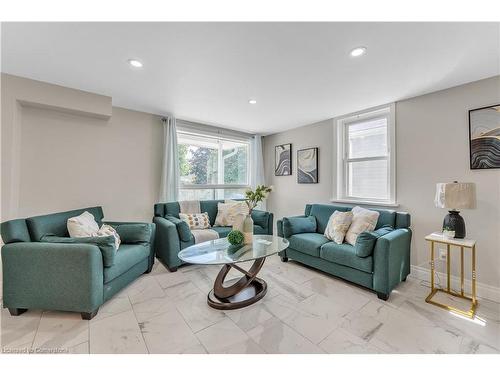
{"x": 391, "y": 259}
{"x": 52, "y": 276}
{"x": 279, "y": 227}
{"x": 279, "y": 224}
{"x": 133, "y": 232}
{"x": 136, "y": 232}
{"x": 167, "y": 242}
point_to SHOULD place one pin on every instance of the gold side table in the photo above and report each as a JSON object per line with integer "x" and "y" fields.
{"x": 462, "y": 243}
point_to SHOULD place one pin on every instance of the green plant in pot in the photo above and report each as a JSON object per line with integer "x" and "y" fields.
{"x": 235, "y": 237}
{"x": 253, "y": 198}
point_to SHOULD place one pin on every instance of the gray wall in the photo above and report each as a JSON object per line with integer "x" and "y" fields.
{"x": 432, "y": 146}
{"x": 65, "y": 149}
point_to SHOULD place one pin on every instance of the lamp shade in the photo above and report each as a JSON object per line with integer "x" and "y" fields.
{"x": 455, "y": 195}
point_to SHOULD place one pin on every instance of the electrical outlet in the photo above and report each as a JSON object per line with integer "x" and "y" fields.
{"x": 442, "y": 254}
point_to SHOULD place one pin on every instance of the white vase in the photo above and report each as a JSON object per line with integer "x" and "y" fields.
{"x": 248, "y": 229}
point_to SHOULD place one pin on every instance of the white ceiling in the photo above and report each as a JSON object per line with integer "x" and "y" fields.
{"x": 299, "y": 73}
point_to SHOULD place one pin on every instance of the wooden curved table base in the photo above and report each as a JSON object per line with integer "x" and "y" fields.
{"x": 245, "y": 291}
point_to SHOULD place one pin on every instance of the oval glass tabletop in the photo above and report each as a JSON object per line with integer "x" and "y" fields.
{"x": 220, "y": 251}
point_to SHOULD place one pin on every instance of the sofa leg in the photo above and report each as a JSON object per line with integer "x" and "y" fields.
{"x": 89, "y": 315}
{"x": 284, "y": 259}
{"x": 383, "y": 296}
{"x": 172, "y": 269}
{"x": 16, "y": 312}
{"x": 404, "y": 278}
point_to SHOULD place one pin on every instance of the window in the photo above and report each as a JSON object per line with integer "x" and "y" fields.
{"x": 212, "y": 167}
{"x": 366, "y": 165}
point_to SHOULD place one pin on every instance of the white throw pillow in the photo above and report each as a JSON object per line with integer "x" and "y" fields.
{"x": 363, "y": 220}
{"x": 227, "y": 213}
{"x": 83, "y": 225}
{"x": 108, "y": 230}
{"x": 196, "y": 221}
{"x": 338, "y": 225}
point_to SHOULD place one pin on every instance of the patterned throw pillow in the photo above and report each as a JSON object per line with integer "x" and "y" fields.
{"x": 337, "y": 226}
{"x": 196, "y": 221}
{"x": 227, "y": 213}
{"x": 363, "y": 220}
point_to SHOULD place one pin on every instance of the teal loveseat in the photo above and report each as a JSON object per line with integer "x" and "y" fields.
{"x": 173, "y": 234}
{"x": 43, "y": 268}
{"x": 380, "y": 268}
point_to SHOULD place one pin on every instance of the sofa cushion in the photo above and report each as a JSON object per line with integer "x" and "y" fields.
{"x": 260, "y": 218}
{"x": 127, "y": 257}
{"x": 196, "y": 221}
{"x": 83, "y": 225}
{"x": 338, "y": 225}
{"x": 55, "y": 224}
{"x": 210, "y": 207}
{"x": 131, "y": 233}
{"x": 345, "y": 255}
{"x": 366, "y": 241}
{"x": 308, "y": 243}
{"x": 362, "y": 220}
{"x": 223, "y": 231}
{"x": 229, "y": 212}
{"x": 322, "y": 212}
{"x": 15, "y": 231}
{"x": 257, "y": 229}
{"x": 297, "y": 224}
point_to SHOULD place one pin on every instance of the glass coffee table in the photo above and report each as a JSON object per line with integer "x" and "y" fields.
{"x": 229, "y": 295}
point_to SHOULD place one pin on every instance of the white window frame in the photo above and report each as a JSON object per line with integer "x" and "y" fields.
{"x": 342, "y": 172}
{"x": 220, "y": 185}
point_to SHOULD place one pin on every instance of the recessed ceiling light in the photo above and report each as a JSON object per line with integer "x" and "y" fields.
{"x": 358, "y": 51}
{"x": 252, "y": 101}
{"x": 135, "y": 63}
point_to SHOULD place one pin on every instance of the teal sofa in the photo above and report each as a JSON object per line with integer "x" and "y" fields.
{"x": 379, "y": 267}
{"x": 173, "y": 234}
{"x": 43, "y": 268}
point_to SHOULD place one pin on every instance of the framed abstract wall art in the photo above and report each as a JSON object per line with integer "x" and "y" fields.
{"x": 484, "y": 137}
{"x": 283, "y": 160}
{"x": 307, "y": 166}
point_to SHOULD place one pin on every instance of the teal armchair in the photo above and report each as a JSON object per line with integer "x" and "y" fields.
{"x": 380, "y": 260}
{"x": 173, "y": 234}
{"x": 45, "y": 269}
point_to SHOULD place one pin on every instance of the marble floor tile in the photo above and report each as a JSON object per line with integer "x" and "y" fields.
{"x": 167, "y": 332}
{"x": 61, "y": 330}
{"x": 341, "y": 341}
{"x": 112, "y": 307}
{"x": 225, "y": 337}
{"x": 275, "y": 337}
{"x": 314, "y": 318}
{"x": 249, "y": 317}
{"x": 83, "y": 348}
{"x": 196, "y": 312}
{"x": 119, "y": 333}
{"x": 304, "y": 311}
{"x": 18, "y": 332}
{"x": 277, "y": 284}
{"x": 144, "y": 288}
{"x": 292, "y": 271}
{"x": 182, "y": 290}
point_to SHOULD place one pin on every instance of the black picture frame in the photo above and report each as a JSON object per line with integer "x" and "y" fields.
{"x": 283, "y": 166}
{"x": 479, "y": 155}
{"x": 306, "y": 177}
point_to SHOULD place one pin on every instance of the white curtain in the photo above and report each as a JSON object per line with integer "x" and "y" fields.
{"x": 257, "y": 175}
{"x": 169, "y": 185}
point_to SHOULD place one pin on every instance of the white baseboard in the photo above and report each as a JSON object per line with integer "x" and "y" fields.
{"x": 483, "y": 290}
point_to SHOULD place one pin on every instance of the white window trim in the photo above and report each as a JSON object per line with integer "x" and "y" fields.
{"x": 342, "y": 161}
{"x": 191, "y": 130}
